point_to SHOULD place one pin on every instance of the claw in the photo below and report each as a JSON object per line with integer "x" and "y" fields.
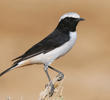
{"x": 60, "y": 76}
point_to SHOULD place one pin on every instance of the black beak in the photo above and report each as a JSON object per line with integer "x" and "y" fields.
{"x": 81, "y": 19}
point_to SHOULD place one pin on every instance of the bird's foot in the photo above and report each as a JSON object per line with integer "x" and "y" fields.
{"x": 51, "y": 88}
{"x": 60, "y": 76}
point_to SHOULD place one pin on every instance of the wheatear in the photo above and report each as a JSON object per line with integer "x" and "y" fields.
{"x": 55, "y": 45}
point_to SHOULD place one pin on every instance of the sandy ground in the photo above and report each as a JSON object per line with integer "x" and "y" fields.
{"x": 86, "y": 67}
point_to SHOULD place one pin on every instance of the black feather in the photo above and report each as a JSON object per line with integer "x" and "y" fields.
{"x": 51, "y": 42}
{"x": 17, "y": 58}
{"x": 7, "y": 70}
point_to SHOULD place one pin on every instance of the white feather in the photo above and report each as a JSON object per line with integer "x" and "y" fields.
{"x": 70, "y": 14}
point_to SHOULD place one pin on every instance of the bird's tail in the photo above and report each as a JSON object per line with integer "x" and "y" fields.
{"x": 7, "y": 70}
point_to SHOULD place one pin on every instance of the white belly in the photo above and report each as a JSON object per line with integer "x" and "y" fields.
{"x": 49, "y": 57}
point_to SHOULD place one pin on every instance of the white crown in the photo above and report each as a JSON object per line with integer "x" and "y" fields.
{"x": 70, "y": 14}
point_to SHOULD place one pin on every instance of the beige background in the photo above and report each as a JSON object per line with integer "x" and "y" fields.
{"x": 86, "y": 67}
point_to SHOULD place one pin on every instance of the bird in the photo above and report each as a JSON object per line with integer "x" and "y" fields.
{"x": 52, "y": 47}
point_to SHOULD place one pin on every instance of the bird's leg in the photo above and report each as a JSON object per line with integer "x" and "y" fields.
{"x": 50, "y": 81}
{"x": 60, "y": 74}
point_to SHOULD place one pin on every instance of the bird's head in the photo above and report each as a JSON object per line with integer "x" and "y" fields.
{"x": 69, "y": 21}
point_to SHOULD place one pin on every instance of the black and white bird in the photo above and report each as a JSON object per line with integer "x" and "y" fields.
{"x": 55, "y": 45}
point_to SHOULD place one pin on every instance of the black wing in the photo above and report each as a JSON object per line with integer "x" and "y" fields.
{"x": 52, "y": 41}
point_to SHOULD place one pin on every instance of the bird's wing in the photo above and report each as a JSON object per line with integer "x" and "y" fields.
{"x": 52, "y": 41}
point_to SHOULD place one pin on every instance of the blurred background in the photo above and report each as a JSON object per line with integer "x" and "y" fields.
{"x": 86, "y": 67}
